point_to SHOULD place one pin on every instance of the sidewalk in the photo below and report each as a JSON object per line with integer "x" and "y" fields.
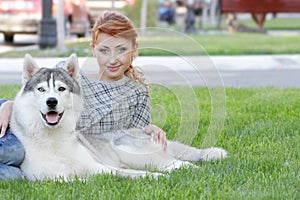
{"x": 234, "y": 71}
{"x": 222, "y": 63}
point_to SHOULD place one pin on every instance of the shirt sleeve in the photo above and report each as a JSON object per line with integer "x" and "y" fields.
{"x": 142, "y": 114}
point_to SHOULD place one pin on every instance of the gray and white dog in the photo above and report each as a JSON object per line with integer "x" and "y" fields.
{"x": 44, "y": 117}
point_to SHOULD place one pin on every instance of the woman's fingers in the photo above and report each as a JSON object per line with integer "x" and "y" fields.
{"x": 160, "y": 137}
{"x": 5, "y": 112}
{"x": 158, "y": 134}
{"x": 3, "y": 130}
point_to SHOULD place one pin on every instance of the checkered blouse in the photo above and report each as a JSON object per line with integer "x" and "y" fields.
{"x": 112, "y": 106}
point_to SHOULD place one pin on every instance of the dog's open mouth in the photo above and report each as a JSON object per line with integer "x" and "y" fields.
{"x": 52, "y": 118}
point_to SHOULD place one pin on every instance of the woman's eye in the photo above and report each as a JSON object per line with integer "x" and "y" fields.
{"x": 104, "y": 51}
{"x": 122, "y": 50}
{"x": 61, "y": 89}
{"x": 41, "y": 89}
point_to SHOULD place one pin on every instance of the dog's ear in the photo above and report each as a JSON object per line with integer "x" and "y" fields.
{"x": 29, "y": 68}
{"x": 72, "y": 66}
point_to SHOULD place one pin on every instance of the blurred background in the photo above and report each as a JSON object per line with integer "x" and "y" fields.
{"x": 29, "y": 22}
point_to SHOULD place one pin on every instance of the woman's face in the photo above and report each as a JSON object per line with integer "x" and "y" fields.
{"x": 114, "y": 56}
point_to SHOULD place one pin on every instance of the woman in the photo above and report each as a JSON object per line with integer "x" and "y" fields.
{"x": 117, "y": 99}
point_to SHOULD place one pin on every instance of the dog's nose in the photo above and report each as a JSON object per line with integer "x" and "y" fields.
{"x": 51, "y": 102}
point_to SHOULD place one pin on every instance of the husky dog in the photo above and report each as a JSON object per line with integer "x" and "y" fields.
{"x": 44, "y": 117}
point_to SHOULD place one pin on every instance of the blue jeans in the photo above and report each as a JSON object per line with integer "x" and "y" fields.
{"x": 11, "y": 156}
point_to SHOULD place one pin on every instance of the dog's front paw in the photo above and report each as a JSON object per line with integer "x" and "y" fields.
{"x": 213, "y": 153}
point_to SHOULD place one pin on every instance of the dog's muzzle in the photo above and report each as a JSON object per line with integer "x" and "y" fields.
{"x": 52, "y": 117}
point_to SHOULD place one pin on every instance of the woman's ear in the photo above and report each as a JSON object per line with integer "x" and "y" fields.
{"x": 135, "y": 52}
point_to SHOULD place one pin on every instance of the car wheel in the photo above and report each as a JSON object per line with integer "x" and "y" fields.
{"x": 8, "y": 38}
{"x": 81, "y": 35}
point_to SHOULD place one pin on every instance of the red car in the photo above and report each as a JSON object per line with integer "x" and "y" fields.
{"x": 23, "y": 17}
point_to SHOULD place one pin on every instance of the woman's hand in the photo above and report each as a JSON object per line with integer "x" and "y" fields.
{"x": 158, "y": 134}
{"x": 5, "y": 112}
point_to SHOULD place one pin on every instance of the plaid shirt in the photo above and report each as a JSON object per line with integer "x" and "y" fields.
{"x": 110, "y": 106}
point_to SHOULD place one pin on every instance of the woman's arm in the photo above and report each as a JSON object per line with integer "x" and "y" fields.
{"x": 142, "y": 118}
{"x": 5, "y": 112}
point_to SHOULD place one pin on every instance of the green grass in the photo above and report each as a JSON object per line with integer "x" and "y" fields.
{"x": 227, "y": 44}
{"x": 277, "y": 23}
{"x": 171, "y": 43}
{"x": 260, "y": 132}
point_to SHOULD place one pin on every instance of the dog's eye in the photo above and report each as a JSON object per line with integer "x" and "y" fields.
{"x": 41, "y": 89}
{"x": 61, "y": 89}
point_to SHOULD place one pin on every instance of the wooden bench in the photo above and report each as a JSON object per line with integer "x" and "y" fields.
{"x": 260, "y": 8}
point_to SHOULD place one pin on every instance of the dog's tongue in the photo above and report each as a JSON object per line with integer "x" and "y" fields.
{"x": 52, "y": 118}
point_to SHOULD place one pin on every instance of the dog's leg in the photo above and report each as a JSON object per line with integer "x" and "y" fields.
{"x": 106, "y": 166}
{"x": 160, "y": 161}
{"x": 187, "y": 153}
{"x": 149, "y": 155}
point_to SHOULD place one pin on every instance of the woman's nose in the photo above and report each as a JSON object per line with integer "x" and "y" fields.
{"x": 113, "y": 58}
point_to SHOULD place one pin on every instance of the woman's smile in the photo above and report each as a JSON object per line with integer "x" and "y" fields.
{"x": 113, "y": 68}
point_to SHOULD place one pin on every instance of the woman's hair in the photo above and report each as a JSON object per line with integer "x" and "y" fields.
{"x": 116, "y": 24}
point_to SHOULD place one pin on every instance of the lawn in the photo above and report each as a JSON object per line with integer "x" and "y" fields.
{"x": 220, "y": 44}
{"x": 167, "y": 42}
{"x": 259, "y": 127}
{"x": 260, "y": 132}
{"x": 277, "y": 23}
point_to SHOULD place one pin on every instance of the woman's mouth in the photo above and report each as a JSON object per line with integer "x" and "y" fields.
{"x": 113, "y": 68}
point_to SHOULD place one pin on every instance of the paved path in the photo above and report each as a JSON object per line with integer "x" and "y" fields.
{"x": 230, "y": 71}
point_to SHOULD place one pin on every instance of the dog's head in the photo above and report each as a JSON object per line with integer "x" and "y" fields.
{"x": 55, "y": 91}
